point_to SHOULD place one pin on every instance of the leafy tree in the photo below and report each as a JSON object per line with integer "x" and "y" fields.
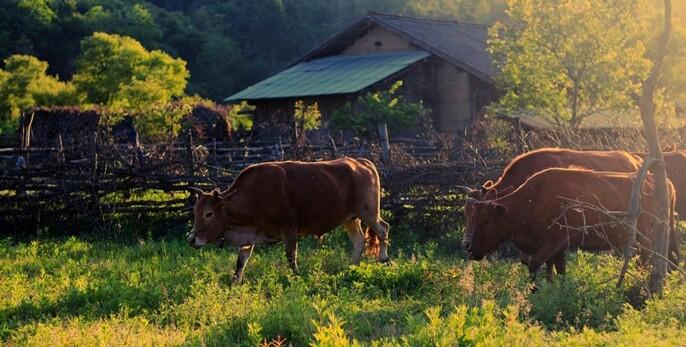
{"x": 25, "y": 84}
{"x": 305, "y": 117}
{"x": 118, "y": 71}
{"x": 379, "y": 107}
{"x": 569, "y": 59}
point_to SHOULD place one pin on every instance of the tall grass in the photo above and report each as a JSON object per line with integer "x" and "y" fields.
{"x": 65, "y": 292}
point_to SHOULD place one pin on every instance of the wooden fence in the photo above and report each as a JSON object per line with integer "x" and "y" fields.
{"x": 64, "y": 186}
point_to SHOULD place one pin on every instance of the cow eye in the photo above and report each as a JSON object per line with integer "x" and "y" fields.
{"x": 209, "y": 215}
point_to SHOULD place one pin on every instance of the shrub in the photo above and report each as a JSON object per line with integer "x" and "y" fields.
{"x": 586, "y": 296}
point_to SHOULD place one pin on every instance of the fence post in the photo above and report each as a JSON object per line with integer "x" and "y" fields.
{"x": 334, "y": 150}
{"x": 94, "y": 168}
{"x": 190, "y": 171}
{"x": 385, "y": 145}
{"x": 214, "y": 157}
{"x": 60, "y": 154}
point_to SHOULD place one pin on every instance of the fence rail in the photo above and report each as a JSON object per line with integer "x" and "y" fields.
{"x": 54, "y": 184}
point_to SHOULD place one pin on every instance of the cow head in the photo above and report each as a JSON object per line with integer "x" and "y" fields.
{"x": 209, "y": 221}
{"x": 485, "y": 192}
{"x": 484, "y": 232}
{"x": 471, "y": 193}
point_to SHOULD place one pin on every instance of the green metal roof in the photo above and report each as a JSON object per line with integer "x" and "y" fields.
{"x": 338, "y": 74}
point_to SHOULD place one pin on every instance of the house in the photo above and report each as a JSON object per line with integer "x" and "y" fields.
{"x": 443, "y": 63}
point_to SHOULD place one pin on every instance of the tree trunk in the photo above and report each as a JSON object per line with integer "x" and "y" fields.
{"x": 647, "y": 106}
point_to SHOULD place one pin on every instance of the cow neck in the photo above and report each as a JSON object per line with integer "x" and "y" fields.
{"x": 518, "y": 222}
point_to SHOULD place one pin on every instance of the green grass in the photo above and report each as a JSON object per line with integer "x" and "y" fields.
{"x": 65, "y": 292}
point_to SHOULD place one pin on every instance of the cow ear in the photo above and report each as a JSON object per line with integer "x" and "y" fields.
{"x": 499, "y": 210}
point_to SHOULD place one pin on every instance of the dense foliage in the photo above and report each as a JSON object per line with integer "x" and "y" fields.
{"x": 572, "y": 59}
{"x": 119, "y": 72}
{"x": 227, "y": 45}
{"x": 379, "y": 107}
{"x": 24, "y": 83}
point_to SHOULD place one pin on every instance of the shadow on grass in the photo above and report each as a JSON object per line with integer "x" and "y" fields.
{"x": 89, "y": 304}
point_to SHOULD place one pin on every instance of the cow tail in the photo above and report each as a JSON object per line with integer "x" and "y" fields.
{"x": 373, "y": 243}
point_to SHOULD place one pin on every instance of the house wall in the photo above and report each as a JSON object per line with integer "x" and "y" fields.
{"x": 454, "y": 96}
{"x": 379, "y": 40}
{"x": 453, "y": 104}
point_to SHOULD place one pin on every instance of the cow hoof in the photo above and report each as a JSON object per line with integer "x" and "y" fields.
{"x": 237, "y": 281}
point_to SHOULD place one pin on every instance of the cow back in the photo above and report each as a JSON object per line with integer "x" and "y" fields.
{"x": 526, "y": 165}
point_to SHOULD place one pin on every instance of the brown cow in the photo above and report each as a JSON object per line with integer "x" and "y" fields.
{"x": 527, "y": 217}
{"x": 675, "y": 165}
{"x": 280, "y": 201}
{"x": 525, "y": 165}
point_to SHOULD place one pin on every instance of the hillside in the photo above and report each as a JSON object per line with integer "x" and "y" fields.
{"x": 227, "y": 45}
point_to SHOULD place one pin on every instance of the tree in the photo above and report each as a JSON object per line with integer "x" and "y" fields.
{"x": 305, "y": 117}
{"x": 118, "y": 71}
{"x": 25, "y": 84}
{"x": 647, "y": 106}
{"x": 569, "y": 59}
{"x": 379, "y": 111}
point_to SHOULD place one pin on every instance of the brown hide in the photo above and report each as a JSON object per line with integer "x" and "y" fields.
{"x": 279, "y": 201}
{"x": 527, "y": 215}
{"x": 675, "y": 164}
{"x": 525, "y": 165}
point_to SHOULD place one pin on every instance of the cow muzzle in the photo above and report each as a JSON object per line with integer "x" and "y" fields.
{"x": 190, "y": 237}
{"x": 467, "y": 246}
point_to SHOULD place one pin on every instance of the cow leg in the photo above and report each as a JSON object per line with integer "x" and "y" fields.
{"x": 291, "y": 242}
{"x": 244, "y": 254}
{"x": 558, "y": 262}
{"x": 354, "y": 230}
{"x": 549, "y": 270}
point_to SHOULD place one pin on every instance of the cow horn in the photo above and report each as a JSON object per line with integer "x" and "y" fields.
{"x": 471, "y": 200}
{"x": 465, "y": 189}
{"x": 196, "y": 190}
{"x": 225, "y": 194}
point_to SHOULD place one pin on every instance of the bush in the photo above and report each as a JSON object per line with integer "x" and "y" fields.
{"x": 586, "y": 296}
{"x": 374, "y": 108}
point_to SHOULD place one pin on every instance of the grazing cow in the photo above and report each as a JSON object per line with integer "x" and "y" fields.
{"x": 525, "y": 165}
{"x": 280, "y": 201}
{"x": 675, "y": 165}
{"x": 529, "y": 217}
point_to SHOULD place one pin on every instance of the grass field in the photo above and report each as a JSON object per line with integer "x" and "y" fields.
{"x": 69, "y": 291}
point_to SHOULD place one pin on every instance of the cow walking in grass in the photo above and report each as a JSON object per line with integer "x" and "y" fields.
{"x": 534, "y": 217}
{"x": 280, "y": 201}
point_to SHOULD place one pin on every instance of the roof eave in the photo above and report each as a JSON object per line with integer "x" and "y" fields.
{"x": 400, "y": 72}
{"x": 331, "y": 40}
{"x": 436, "y": 51}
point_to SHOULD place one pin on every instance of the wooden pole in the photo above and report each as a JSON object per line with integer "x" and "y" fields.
{"x": 633, "y": 212}
{"x": 94, "y": 169}
{"x": 214, "y": 157}
{"x": 385, "y": 144}
{"x": 647, "y": 106}
{"x": 190, "y": 171}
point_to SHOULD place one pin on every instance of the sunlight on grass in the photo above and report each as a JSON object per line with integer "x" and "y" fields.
{"x": 72, "y": 292}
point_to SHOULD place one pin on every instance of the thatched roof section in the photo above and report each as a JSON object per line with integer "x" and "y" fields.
{"x": 208, "y": 122}
{"x": 75, "y": 126}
